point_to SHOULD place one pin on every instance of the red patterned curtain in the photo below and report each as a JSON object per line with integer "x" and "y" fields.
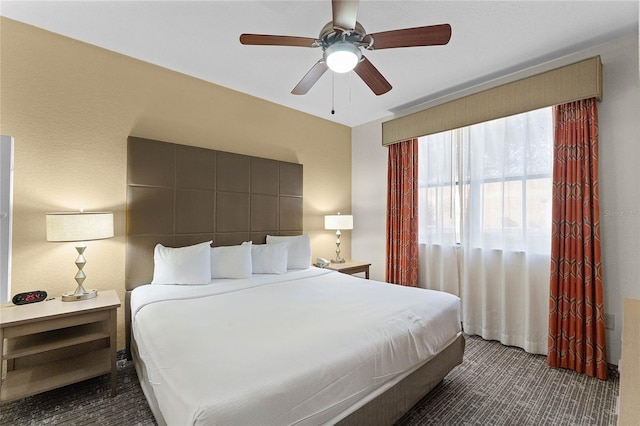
{"x": 402, "y": 214}
{"x": 576, "y": 316}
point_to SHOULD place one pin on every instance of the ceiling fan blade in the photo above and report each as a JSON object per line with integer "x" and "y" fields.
{"x": 344, "y": 14}
{"x": 310, "y": 78}
{"x": 372, "y": 77}
{"x": 409, "y": 37}
{"x": 277, "y": 40}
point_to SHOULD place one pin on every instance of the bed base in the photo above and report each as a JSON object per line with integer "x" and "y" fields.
{"x": 385, "y": 409}
{"x": 390, "y": 406}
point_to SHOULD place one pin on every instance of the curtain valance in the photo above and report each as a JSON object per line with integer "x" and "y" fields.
{"x": 569, "y": 83}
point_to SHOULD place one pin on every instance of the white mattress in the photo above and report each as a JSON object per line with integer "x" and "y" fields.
{"x": 298, "y": 348}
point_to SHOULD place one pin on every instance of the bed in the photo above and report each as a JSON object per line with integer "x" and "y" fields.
{"x": 299, "y": 345}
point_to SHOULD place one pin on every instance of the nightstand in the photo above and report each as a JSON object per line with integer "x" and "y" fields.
{"x": 351, "y": 267}
{"x": 53, "y": 343}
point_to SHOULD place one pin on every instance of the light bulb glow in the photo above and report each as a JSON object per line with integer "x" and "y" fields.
{"x": 342, "y": 57}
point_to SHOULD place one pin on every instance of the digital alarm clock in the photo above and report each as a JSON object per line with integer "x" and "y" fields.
{"x": 29, "y": 297}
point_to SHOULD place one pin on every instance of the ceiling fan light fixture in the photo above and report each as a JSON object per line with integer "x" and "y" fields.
{"x": 342, "y": 57}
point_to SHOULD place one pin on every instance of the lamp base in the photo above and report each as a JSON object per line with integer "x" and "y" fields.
{"x": 72, "y": 297}
{"x": 337, "y": 260}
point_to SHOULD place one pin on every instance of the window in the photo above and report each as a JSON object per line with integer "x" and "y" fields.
{"x": 489, "y": 185}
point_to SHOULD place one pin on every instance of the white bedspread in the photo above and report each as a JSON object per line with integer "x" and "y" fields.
{"x": 298, "y": 348}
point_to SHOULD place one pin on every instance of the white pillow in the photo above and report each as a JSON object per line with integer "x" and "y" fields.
{"x": 231, "y": 261}
{"x": 269, "y": 258}
{"x": 298, "y": 250}
{"x": 182, "y": 265}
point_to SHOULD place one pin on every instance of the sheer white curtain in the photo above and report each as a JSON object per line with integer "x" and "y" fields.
{"x": 485, "y": 224}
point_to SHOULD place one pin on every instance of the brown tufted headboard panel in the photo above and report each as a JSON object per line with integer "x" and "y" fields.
{"x": 179, "y": 195}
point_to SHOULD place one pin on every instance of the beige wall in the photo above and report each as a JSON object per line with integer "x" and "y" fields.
{"x": 71, "y": 106}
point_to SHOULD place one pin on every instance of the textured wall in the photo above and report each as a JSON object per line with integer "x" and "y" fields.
{"x": 71, "y": 106}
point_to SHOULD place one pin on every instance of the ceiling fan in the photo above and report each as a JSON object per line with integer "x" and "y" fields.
{"x": 343, "y": 38}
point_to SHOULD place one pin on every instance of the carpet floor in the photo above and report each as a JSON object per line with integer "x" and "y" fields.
{"x": 495, "y": 385}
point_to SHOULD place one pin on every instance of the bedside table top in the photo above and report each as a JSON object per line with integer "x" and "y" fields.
{"x": 347, "y": 265}
{"x": 14, "y": 314}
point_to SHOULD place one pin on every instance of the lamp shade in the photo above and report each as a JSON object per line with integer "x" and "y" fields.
{"x": 79, "y": 226}
{"x": 338, "y": 221}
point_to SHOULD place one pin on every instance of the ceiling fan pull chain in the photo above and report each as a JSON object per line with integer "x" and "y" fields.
{"x": 333, "y": 92}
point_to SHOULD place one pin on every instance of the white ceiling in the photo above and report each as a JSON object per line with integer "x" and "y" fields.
{"x": 200, "y": 38}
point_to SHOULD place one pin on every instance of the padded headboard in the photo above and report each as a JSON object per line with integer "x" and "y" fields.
{"x": 180, "y": 195}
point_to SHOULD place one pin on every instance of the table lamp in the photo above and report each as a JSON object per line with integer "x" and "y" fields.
{"x": 338, "y": 222}
{"x": 79, "y": 227}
